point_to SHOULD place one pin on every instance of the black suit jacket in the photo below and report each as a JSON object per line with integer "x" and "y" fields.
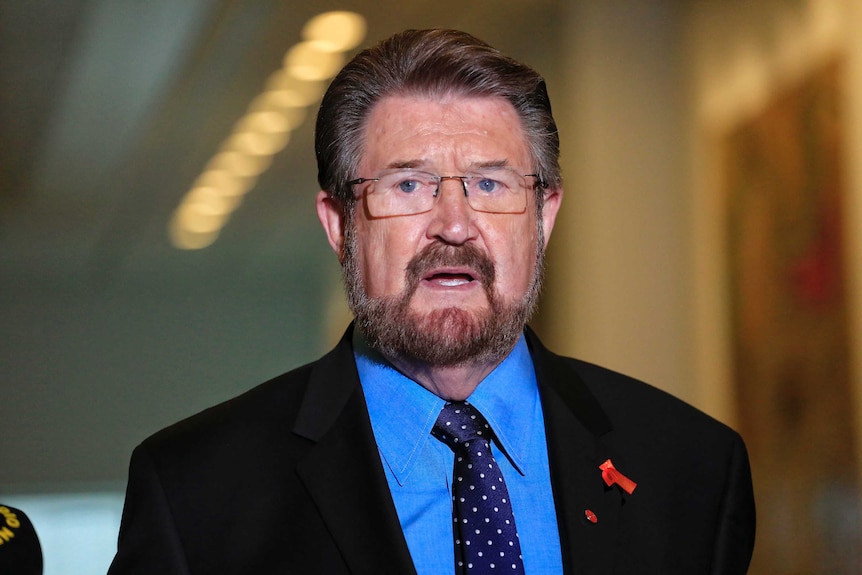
{"x": 286, "y": 478}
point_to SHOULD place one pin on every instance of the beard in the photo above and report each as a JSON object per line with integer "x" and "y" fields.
{"x": 446, "y": 337}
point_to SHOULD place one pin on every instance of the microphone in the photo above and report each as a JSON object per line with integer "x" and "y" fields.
{"x": 20, "y": 552}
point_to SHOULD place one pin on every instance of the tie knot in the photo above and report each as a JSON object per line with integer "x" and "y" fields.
{"x": 459, "y": 422}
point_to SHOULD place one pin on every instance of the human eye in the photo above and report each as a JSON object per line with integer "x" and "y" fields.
{"x": 408, "y": 186}
{"x": 406, "y": 182}
{"x": 487, "y": 184}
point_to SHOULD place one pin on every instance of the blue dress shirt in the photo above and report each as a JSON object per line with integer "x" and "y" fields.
{"x": 418, "y": 467}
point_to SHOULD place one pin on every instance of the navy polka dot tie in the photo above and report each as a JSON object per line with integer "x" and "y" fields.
{"x": 486, "y": 540}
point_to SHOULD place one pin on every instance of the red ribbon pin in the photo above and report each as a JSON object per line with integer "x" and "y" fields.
{"x": 611, "y": 476}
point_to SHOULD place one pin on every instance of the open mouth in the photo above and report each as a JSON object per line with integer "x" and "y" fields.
{"x": 450, "y": 279}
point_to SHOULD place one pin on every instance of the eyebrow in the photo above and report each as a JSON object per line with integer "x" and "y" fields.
{"x": 414, "y": 164}
{"x": 406, "y": 164}
{"x": 492, "y": 164}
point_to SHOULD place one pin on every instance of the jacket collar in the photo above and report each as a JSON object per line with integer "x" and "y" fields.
{"x": 578, "y": 429}
{"x": 553, "y": 373}
{"x": 343, "y": 473}
{"x": 345, "y": 477}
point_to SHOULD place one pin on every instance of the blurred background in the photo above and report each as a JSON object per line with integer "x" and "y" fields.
{"x": 159, "y": 250}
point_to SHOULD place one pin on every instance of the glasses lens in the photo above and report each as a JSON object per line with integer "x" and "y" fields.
{"x": 501, "y": 191}
{"x": 406, "y": 192}
{"x": 402, "y": 192}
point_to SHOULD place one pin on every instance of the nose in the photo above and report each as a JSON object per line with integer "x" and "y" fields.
{"x": 453, "y": 220}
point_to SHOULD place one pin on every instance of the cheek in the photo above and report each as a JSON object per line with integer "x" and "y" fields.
{"x": 515, "y": 256}
{"x": 383, "y": 255}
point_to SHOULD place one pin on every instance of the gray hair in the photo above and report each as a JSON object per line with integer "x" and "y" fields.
{"x": 430, "y": 63}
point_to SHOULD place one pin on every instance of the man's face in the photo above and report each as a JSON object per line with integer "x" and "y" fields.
{"x": 451, "y": 285}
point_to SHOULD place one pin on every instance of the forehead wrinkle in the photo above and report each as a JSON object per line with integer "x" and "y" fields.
{"x": 451, "y": 136}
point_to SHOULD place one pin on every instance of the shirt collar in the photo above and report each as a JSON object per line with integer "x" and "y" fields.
{"x": 403, "y": 412}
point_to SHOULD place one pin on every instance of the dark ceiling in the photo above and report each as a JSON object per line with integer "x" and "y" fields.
{"x": 109, "y": 109}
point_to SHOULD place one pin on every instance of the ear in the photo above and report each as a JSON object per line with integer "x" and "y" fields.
{"x": 330, "y": 212}
{"x": 553, "y": 199}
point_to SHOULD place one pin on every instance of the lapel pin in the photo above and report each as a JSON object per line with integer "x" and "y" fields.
{"x": 611, "y": 476}
{"x": 591, "y": 517}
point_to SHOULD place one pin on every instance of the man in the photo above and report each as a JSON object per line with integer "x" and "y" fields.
{"x": 438, "y": 161}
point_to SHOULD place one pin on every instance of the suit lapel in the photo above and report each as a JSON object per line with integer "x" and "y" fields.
{"x": 343, "y": 473}
{"x": 345, "y": 478}
{"x": 576, "y": 425}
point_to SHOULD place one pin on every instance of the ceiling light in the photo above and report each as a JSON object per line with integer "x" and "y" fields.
{"x": 292, "y": 91}
{"x": 200, "y": 218}
{"x": 336, "y": 31}
{"x": 241, "y": 164}
{"x": 228, "y": 183}
{"x": 312, "y": 61}
{"x": 289, "y": 117}
{"x": 266, "y": 128}
{"x": 266, "y": 121}
{"x": 213, "y": 197}
{"x": 186, "y": 239}
{"x": 258, "y": 143}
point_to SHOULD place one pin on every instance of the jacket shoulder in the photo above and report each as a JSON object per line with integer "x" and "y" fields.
{"x": 630, "y": 400}
{"x": 605, "y": 400}
{"x": 270, "y": 407}
{"x": 277, "y": 406}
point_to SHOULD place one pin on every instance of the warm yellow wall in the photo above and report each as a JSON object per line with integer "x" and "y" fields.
{"x": 853, "y": 106}
{"x": 742, "y": 55}
{"x": 618, "y": 286}
{"x": 635, "y": 278}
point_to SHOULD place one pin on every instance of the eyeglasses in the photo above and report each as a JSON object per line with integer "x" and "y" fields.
{"x": 405, "y": 192}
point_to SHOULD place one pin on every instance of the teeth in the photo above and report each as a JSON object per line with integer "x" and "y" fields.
{"x": 452, "y": 282}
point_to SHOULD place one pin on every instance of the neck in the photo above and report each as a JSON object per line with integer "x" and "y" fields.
{"x": 452, "y": 383}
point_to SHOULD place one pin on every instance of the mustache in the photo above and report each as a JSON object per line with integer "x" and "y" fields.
{"x": 442, "y": 255}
